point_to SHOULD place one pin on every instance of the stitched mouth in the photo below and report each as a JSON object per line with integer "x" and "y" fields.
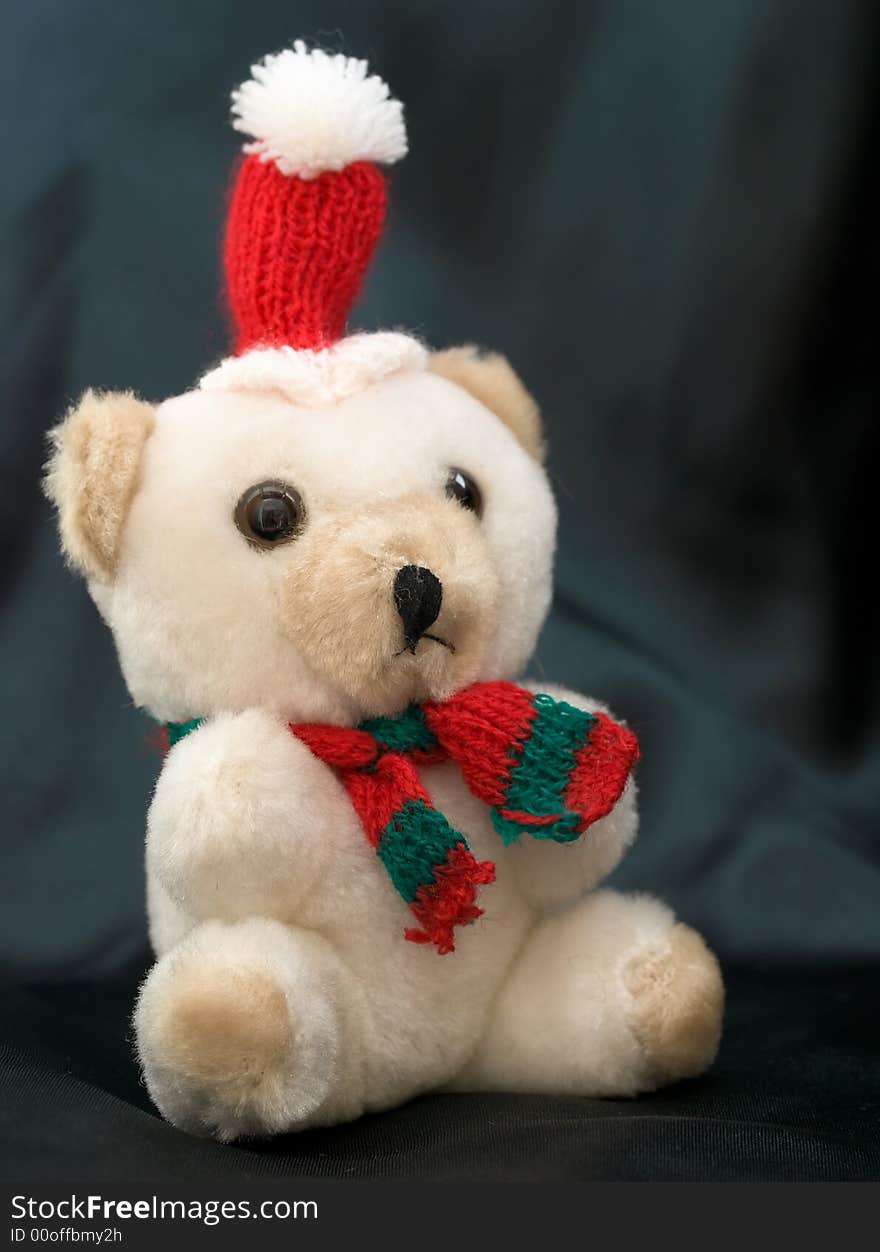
{"x": 411, "y": 646}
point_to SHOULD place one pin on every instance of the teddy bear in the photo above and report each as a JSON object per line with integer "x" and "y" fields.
{"x": 372, "y": 854}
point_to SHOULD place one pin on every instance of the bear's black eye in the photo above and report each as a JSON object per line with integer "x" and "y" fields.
{"x": 461, "y": 487}
{"x": 269, "y": 513}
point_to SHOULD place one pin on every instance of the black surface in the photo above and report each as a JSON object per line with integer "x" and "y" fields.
{"x": 666, "y": 214}
{"x": 795, "y": 1095}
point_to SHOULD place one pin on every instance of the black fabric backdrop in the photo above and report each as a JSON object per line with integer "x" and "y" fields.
{"x": 666, "y": 215}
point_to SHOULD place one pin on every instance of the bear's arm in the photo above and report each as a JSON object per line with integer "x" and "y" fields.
{"x": 241, "y": 817}
{"x": 551, "y": 874}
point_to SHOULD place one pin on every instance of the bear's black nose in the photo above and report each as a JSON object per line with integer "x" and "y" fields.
{"x": 418, "y": 595}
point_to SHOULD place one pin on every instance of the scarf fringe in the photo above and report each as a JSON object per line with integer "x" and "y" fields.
{"x": 449, "y": 901}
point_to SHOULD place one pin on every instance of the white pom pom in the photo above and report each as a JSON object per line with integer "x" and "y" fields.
{"x": 309, "y": 112}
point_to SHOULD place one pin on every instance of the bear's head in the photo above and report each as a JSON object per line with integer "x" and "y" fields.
{"x": 327, "y": 564}
{"x": 327, "y": 527}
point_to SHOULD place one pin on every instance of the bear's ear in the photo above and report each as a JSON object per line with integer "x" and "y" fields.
{"x": 491, "y": 379}
{"x": 92, "y": 474}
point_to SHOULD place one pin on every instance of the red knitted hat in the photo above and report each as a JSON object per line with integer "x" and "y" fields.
{"x": 305, "y": 216}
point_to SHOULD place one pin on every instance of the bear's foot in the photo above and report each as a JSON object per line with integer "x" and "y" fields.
{"x": 610, "y": 997}
{"x": 677, "y": 1000}
{"x": 237, "y": 1030}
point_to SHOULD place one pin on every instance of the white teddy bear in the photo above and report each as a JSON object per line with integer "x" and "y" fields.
{"x": 322, "y": 567}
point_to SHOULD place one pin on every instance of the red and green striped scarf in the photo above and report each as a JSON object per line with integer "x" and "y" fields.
{"x": 543, "y": 767}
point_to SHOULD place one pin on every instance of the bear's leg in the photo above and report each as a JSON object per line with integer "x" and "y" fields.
{"x": 241, "y": 1030}
{"x": 609, "y": 998}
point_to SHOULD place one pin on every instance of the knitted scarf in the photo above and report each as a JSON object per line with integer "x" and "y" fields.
{"x": 544, "y": 768}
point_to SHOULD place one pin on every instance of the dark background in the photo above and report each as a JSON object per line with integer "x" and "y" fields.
{"x": 666, "y": 215}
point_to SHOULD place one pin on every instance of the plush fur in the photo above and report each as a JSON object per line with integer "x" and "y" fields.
{"x": 284, "y": 994}
{"x": 92, "y": 474}
{"x": 490, "y": 379}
